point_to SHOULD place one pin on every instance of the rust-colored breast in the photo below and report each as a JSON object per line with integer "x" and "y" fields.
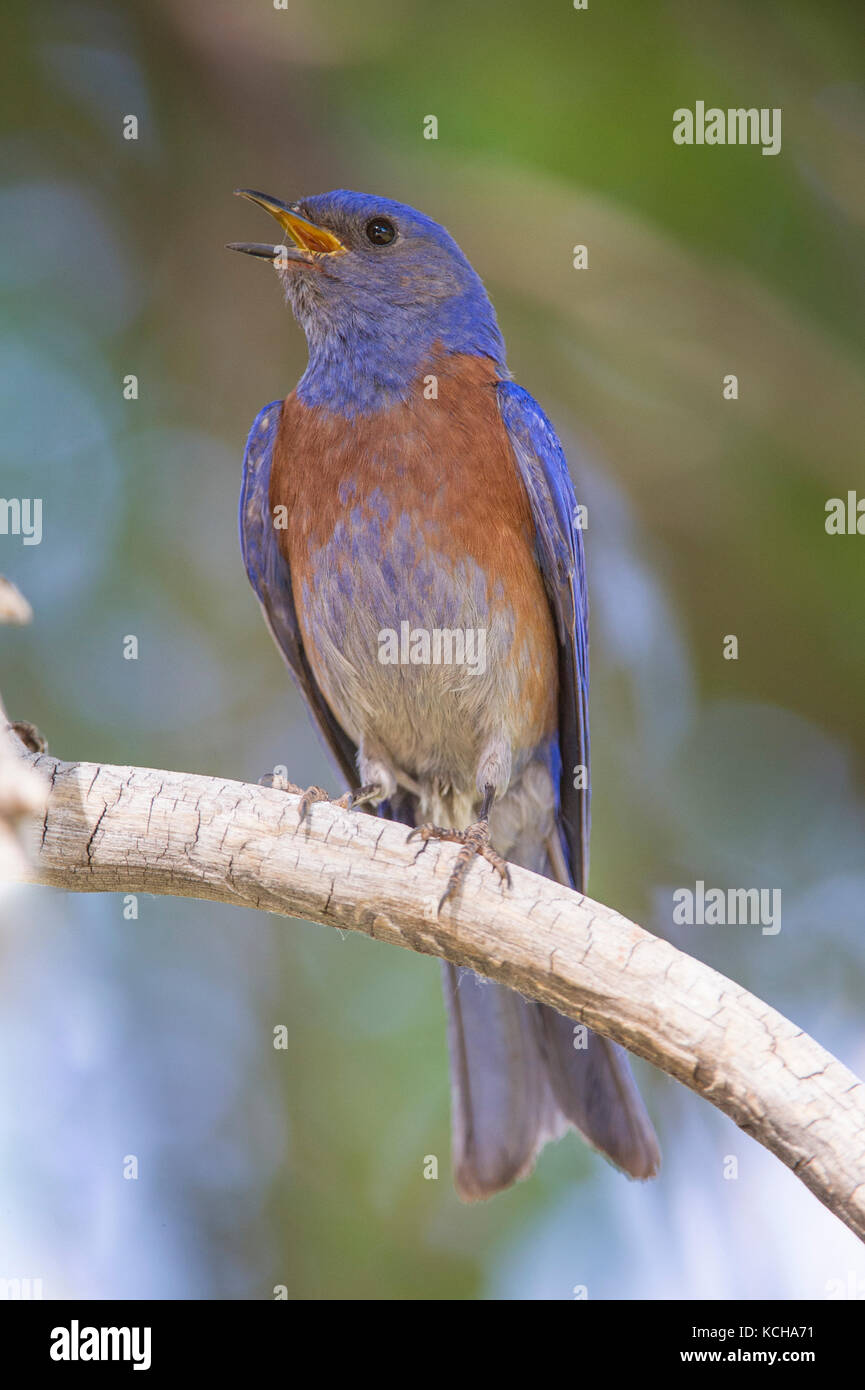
{"x": 443, "y": 463}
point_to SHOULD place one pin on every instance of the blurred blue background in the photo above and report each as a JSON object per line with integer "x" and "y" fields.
{"x": 153, "y": 1037}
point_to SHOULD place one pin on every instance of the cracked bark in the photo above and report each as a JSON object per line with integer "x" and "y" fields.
{"x": 149, "y": 831}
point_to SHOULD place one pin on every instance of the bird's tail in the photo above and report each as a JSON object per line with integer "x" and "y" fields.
{"x": 521, "y": 1073}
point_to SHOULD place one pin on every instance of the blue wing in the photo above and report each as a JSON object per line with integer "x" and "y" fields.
{"x": 270, "y": 577}
{"x": 559, "y": 544}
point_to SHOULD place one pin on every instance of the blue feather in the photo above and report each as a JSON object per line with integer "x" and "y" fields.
{"x": 559, "y": 547}
{"x": 270, "y": 577}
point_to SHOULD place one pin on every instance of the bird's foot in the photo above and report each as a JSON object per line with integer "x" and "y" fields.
{"x": 349, "y": 801}
{"x": 475, "y": 841}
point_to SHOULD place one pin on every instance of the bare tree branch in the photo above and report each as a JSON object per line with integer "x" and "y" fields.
{"x": 14, "y": 607}
{"x": 22, "y": 793}
{"x": 126, "y": 829}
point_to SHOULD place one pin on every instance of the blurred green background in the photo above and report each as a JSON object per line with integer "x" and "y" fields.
{"x": 304, "y": 1167}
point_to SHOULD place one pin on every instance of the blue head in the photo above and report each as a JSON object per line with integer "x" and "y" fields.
{"x": 375, "y": 285}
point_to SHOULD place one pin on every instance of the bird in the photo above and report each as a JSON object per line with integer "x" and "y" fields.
{"x": 408, "y": 486}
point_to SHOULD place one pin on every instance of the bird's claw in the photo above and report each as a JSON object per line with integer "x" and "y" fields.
{"x": 475, "y": 841}
{"x": 349, "y": 801}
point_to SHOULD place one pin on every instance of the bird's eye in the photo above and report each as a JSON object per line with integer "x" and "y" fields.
{"x": 380, "y": 232}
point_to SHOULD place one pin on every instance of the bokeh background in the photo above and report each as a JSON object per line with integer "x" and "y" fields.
{"x": 153, "y": 1037}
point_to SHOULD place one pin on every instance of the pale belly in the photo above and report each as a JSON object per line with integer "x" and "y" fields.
{"x": 421, "y": 663}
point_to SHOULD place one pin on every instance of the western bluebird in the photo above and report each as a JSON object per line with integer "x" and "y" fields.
{"x": 408, "y": 524}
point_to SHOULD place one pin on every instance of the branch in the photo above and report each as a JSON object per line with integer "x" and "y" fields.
{"x": 22, "y": 793}
{"x": 129, "y": 830}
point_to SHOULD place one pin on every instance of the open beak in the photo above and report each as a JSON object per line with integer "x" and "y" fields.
{"x": 308, "y": 242}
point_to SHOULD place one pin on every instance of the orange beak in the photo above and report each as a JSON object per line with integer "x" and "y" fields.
{"x": 308, "y": 242}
